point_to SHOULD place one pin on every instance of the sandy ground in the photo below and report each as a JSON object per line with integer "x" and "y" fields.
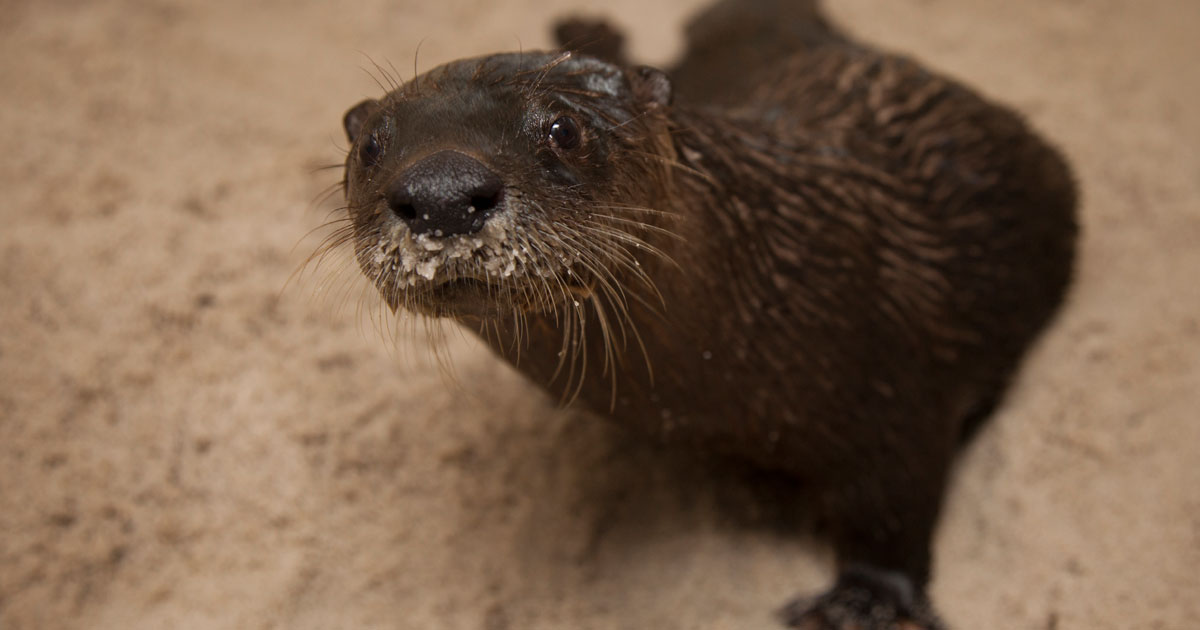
{"x": 188, "y": 441}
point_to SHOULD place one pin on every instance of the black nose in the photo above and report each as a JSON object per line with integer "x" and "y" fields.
{"x": 444, "y": 194}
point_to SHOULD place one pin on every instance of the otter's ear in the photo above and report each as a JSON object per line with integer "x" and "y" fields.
{"x": 651, "y": 86}
{"x": 355, "y": 118}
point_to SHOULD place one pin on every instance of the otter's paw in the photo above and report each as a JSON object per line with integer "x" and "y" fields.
{"x": 864, "y": 599}
{"x": 591, "y": 37}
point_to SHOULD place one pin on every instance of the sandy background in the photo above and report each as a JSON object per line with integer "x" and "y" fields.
{"x": 186, "y": 443}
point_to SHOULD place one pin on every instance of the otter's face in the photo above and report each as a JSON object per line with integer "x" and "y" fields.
{"x": 509, "y": 183}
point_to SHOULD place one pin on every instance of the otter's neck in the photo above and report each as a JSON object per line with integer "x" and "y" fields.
{"x": 602, "y": 349}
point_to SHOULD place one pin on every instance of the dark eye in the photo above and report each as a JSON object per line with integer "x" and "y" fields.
{"x": 370, "y": 151}
{"x": 564, "y": 133}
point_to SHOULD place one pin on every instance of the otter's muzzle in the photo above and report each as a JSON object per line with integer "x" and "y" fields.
{"x": 445, "y": 194}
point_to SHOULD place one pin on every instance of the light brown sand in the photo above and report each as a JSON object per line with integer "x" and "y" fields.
{"x": 185, "y": 444}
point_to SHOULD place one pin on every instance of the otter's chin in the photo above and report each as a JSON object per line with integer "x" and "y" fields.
{"x": 459, "y": 298}
{"x": 468, "y": 298}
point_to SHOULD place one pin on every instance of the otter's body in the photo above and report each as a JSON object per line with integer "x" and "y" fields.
{"x": 829, "y": 265}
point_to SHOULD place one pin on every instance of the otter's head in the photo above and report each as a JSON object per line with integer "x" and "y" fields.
{"x": 507, "y": 184}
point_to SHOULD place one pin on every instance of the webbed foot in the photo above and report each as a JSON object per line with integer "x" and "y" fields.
{"x": 864, "y": 599}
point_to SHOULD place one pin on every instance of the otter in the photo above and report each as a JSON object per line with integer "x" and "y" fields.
{"x": 790, "y": 248}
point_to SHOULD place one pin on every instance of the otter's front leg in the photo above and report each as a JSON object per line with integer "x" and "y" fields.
{"x": 882, "y": 521}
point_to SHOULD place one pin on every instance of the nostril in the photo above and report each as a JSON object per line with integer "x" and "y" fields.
{"x": 484, "y": 203}
{"x": 445, "y": 194}
{"x": 485, "y": 195}
{"x": 400, "y": 200}
{"x": 405, "y": 211}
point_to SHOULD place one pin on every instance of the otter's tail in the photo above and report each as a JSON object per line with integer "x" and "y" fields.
{"x": 593, "y": 37}
{"x": 729, "y": 43}
{"x": 782, "y": 24}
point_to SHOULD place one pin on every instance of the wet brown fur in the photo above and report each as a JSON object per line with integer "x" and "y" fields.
{"x": 819, "y": 257}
